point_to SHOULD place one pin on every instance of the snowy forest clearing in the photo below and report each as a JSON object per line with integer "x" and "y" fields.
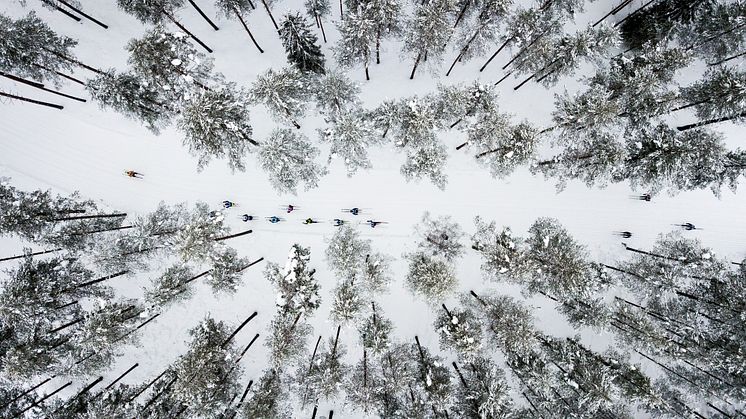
{"x": 82, "y": 148}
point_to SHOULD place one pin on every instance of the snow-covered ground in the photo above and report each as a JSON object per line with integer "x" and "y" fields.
{"x": 83, "y": 148}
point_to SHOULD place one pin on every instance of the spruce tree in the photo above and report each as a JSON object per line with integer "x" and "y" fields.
{"x": 283, "y": 92}
{"x": 431, "y": 277}
{"x": 350, "y": 135}
{"x": 346, "y": 251}
{"x": 30, "y": 48}
{"x": 297, "y": 289}
{"x": 347, "y": 303}
{"x": 215, "y": 123}
{"x": 301, "y": 46}
{"x": 336, "y": 95}
{"x": 288, "y": 159}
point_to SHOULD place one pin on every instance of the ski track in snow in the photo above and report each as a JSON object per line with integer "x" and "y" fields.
{"x": 83, "y": 148}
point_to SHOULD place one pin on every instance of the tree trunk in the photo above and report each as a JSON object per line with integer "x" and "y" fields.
{"x": 503, "y": 78}
{"x": 243, "y": 233}
{"x": 36, "y": 102}
{"x": 462, "y": 145}
{"x": 331, "y": 414}
{"x": 367, "y": 76}
{"x": 66, "y": 325}
{"x": 63, "y": 75}
{"x": 96, "y": 281}
{"x": 313, "y": 355}
{"x": 416, "y": 63}
{"x": 341, "y": 13}
{"x": 238, "y": 329}
{"x": 448, "y": 73}
{"x": 711, "y": 121}
{"x": 21, "y": 80}
{"x": 204, "y": 16}
{"x": 252, "y": 264}
{"x": 147, "y": 386}
{"x": 269, "y": 12}
{"x": 728, "y": 59}
{"x": 59, "y": 9}
{"x": 36, "y": 403}
{"x": 105, "y": 230}
{"x": 419, "y": 348}
{"x": 460, "y": 376}
{"x": 461, "y": 13}
{"x": 365, "y": 368}
{"x": 246, "y": 28}
{"x": 492, "y": 57}
{"x": 336, "y": 340}
{"x": 80, "y": 12}
{"x": 185, "y": 30}
{"x": 613, "y": 11}
{"x": 43, "y": 252}
{"x": 323, "y": 33}
{"x": 246, "y": 349}
{"x": 192, "y": 279}
{"x": 8, "y": 403}
{"x": 523, "y": 50}
{"x": 74, "y": 61}
{"x": 378, "y": 46}
{"x": 245, "y": 392}
{"x": 447, "y": 311}
{"x": 119, "y": 378}
{"x": 88, "y": 217}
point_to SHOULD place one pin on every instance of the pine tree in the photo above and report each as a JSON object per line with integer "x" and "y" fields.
{"x": 508, "y": 323}
{"x": 150, "y": 11}
{"x": 426, "y": 161}
{"x": 375, "y": 332}
{"x": 474, "y": 37}
{"x": 656, "y": 24}
{"x": 286, "y": 340}
{"x": 433, "y": 378}
{"x": 29, "y": 48}
{"x": 288, "y": 158}
{"x": 715, "y": 34}
{"x": 207, "y": 375}
{"x": 428, "y": 31}
{"x": 298, "y": 290}
{"x": 460, "y": 332}
{"x": 346, "y": 252}
{"x": 283, "y": 92}
{"x": 387, "y": 14}
{"x": 170, "y": 287}
{"x": 129, "y": 95}
{"x": 328, "y": 372}
{"x": 215, "y": 123}
{"x": 363, "y": 385}
{"x": 504, "y": 148}
{"x": 336, "y": 95}
{"x": 347, "y": 303}
{"x": 268, "y": 398}
{"x": 226, "y": 272}
{"x": 195, "y": 240}
{"x": 432, "y": 278}
{"x": 169, "y": 64}
{"x": 375, "y": 273}
{"x": 482, "y": 391}
{"x": 440, "y": 237}
{"x": 720, "y": 94}
{"x": 301, "y": 46}
{"x": 350, "y": 135}
{"x": 358, "y": 31}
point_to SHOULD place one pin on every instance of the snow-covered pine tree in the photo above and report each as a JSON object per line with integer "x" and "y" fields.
{"x": 150, "y": 11}
{"x": 389, "y": 19}
{"x": 318, "y": 9}
{"x": 169, "y": 64}
{"x": 659, "y": 158}
{"x": 363, "y": 385}
{"x": 560, "y": 56}
{"x": 284, "y": 93}
{"x": 348, "y": 303}
{"x": 170, "y": 287}
{"x": 286, "y": 340}
{"x": 301, "y": 45}
{"x": 350, "y": 135}
{"x": 129, "y": 95}
{"x": 508, "y": 323}
{"x": 482, "y": 391}
{"x": 215, "y": 123}
{"x": 375, "y": 331}
{"x": 346, "y": 251}
{"x": 432, "y": 378}
{"x": 440, "y": 237}
{"x": 503, "y": 149}
{"x": 207, "y": 374}
{"x": 358, "y": 31}
{"x": 329, "y": 371}
{"x": 30, "y": 48}
{"x": 459, "y": 331}
{"x": 268, "y": 398}
{"x": 375, "y": 273}
{"x": 427, "y": 161}
{"x": 719, "y": 96}
{"x": 336, "y": 94}
{"x": 297, "y": 289}
{"x": 427, "y": 32}
{"x": 227, "y": 270}
{"x": 432, "y": 278}
{"x": 475, "y": 36}
{"x": 288, "y": 158}
{"x": 195, "y": 239}
{"x": 238, "y": 9}
{"x": 717, "y": 33}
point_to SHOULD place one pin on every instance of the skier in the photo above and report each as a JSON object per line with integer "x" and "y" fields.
{"x": 132, "y": 173}
{"x": 645, "y": 197}
{"x": 338, "y": 222}
{"x": 247, "y": 217}
{"x": 688, "y": 226}
{"x": 274, "y": 219}
{"x": 290, "y": 209}
{"x": 355, "y": 211}
{"x": 228, "y": 204}
{"x": 625, "y": 234}
{"x": 309, "y": 221}
{"x": 373, "y": 224}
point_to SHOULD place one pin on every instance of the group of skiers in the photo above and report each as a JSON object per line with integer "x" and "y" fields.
{"x": 337, "y": 222}
{"x": 647, "y": 198}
